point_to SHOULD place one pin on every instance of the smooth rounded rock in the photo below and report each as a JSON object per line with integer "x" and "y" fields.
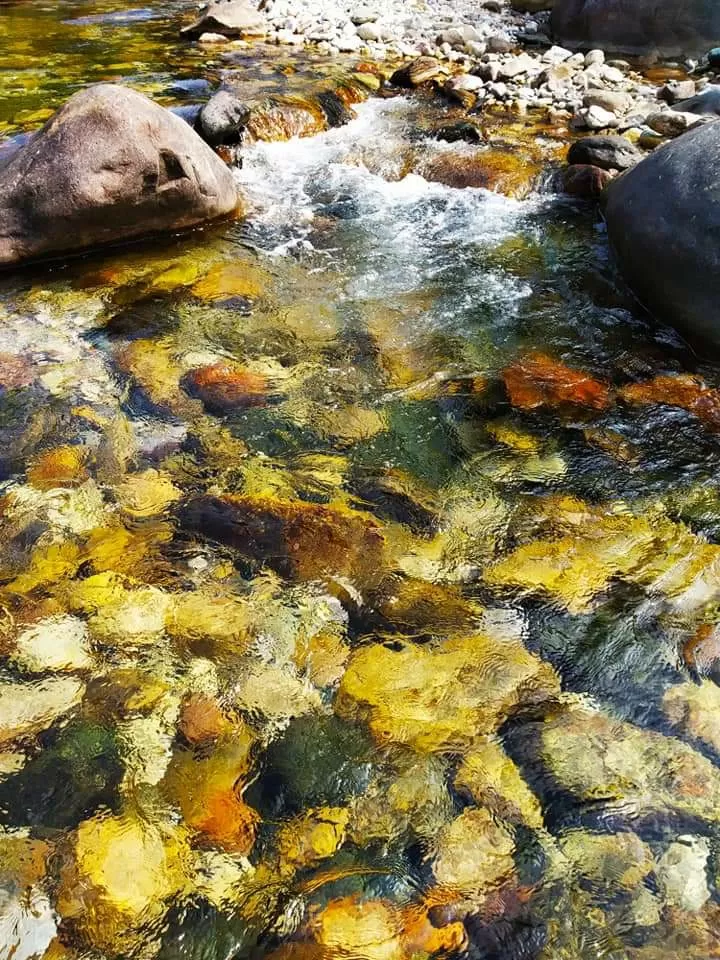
{"x": 673, "y": 28}
{"x": 230, "y": 18}
{"x": 663, "y": 221}
{"x": 608, "y": 153}
{"x": 109, "y": 165}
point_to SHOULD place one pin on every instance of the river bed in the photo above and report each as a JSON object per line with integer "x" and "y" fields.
{"x": 361, "y": 573}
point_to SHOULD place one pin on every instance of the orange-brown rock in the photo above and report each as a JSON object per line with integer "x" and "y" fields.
{"x": 538, "y": 380}
{"x": 224, "y": 387}
{"x": 202, "y": 720}
{"x": 285, "y": 118}
{"x": 502, "y": 171}
{"x": 61, "y": 467}
{"x": 684, "y": 391}
{"x": 305, "y": 541}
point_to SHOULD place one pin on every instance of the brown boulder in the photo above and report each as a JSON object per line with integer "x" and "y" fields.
{"x": 109, "y": 165}
{"x": 585, "y": 181}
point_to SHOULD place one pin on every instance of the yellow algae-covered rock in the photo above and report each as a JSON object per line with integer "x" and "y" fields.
{"x": 133, "y": 552}
{"x": 371, "y": 929}
{"x": 147, "y": 494}
{"x": 380, "y": 930}
{"x": 119, "y": 609}
{"x": 474, "y": 853}
{"x": 238, "y": 278}
{"x": 442, "y": 698}
{"x": 604, "y": 543}
{"x": 28, "y": 708}
{"x": 23, "y": 860}
{"x": 124, "y": 873}
{"x": 608, "y": 859}
{"x": 695, "y": 709}
{"x": 50, "y": 564}
{"x": 312, "y": 837}
{"x": 307, "y": 541}
{"x": 322, "y": 657}
{"x": 203, "y": 619}
{"x": 643, "y": 773}
{"x": 135, "y": 617}
{"x": 57, "y": 643}
{"x": 155, "y": 368}
{"x": 207, "y": 790}
{"x": 493, "y": 781}
{"x": 61, "y": 467}
{"x": 202, "y": 720}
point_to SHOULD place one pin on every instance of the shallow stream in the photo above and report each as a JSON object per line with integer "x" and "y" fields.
{"x": 361, "y": 560}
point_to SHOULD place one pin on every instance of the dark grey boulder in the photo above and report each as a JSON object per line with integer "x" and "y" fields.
{"x": 670, "y": 28}
{"x": 706, "y": 103}
{"x": 231, "y": 18}
{"x": 606, "y": 152}
{"x": 663, "y": 220}
{"x": 109, "y": 165}
{"x": 223, "y": 118}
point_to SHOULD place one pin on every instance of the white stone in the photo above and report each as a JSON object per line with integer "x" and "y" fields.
{"x": 56, "y": 644}
{"x": 596, "y": 118}
{"x": 681, "y": 873}
{"x": 593, "y": 57}
{"x": 556, "y": 55}
{"x": 212, "y": 38}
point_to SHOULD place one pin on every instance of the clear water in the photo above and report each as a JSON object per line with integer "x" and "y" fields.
{"x": 360, "y": 579}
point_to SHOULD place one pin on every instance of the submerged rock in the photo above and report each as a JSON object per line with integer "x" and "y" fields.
{"x": 147, "y": 172}
{"x": 442, "y": 698}
{"x": 663, "y": 221}
{"x": 307, "y": 541}
{"x": 474, "y": 854}
{"x": 623, "y": 770}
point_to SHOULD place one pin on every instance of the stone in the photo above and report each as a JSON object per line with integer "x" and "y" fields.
{"x": 615, "y": 101}
{"x": 441, "y": 698}
{"x": 609, "y": 860}
{"x": 585, "y": 181}
{"x": 223, "y": 118}
{"x": 147, "y": 172}
{"x": 123, "y": 872}
{"x": 594, "y": 58}
{"x": 515, "y": 66}
{"x": 706, "y": 102}
{"x": 26, "y": 709}
{"x": 595, "y": 118}
{"x": 663, "y": 222}
{"x": 626, "y": 771}
{"x": 58, "y": 644}
{"x": 695, "y": 710}
{"x": 608, "y": 153}
{"x": 474, "y": 853}
{"x": 675, "y": 91}
{"x": 671, "y": 123}
{"x": 493, "y": 781}
{"x": 230, "y": 18}
{"x": 420, "y": 71}
{"x": 681, "y": 873}
{"x": 369, "y": 32}
{"x": 685, "y": 28}
{"x": 307, "y": 541}
{"x": 224, "y": 387}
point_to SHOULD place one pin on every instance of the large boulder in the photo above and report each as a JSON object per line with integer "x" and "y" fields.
{"x": 671, "y": 28}
{"x": 663, "y": 219}
{"x": 109, "y": 165}
{"x": 231, "y": 18}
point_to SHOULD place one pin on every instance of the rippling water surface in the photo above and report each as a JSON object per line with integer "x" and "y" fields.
{"x": 360, "y": 581}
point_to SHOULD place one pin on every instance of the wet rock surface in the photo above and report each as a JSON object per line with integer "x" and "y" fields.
{"x": 674, "y": 189}
{"x": 360, "y": 573}
{"x": 145, "y": 172}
